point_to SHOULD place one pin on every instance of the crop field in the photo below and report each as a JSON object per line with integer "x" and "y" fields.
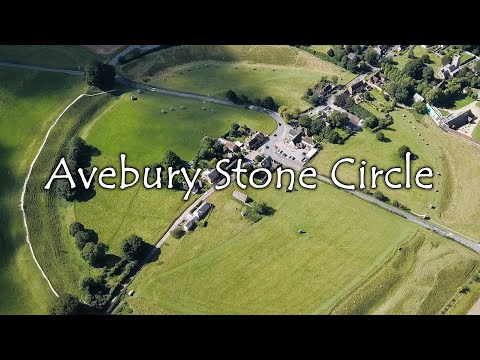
{"x": 231, "y": 266}
{"x": 57, "y": 56}
{"x": 139, "y": 129}
{"x": 258, "y": 71}
{"x": 29, "y": 103}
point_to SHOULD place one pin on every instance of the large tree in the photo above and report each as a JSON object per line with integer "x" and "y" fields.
{"x": 100, "y": 75}
{"x": 133, "y": 248}
{"x": 66, "y": 304}
{"x": 83, "y": 237}
{"x": 402, "y": 151}
{"x": 371, "y": 56}
{"x": 171, "y": 159}
{"x": 93, "y": 254}
{"x": 338, "y": 119}
{"x": 447, "y": 59}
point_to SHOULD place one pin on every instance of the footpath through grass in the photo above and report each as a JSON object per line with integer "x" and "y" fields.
{"x": 29, "y": 102}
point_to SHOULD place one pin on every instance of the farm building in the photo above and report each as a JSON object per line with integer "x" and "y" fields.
{"x": 228, "y": 144}
{"x": 458, "y": 120}
{"x": 201, "y": 210}
{"x": 241, "y": 196}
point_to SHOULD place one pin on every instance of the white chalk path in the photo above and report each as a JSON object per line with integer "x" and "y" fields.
{"x": 28, "y": 178}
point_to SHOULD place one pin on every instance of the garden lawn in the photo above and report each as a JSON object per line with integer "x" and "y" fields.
{"x": 233, "y": 267}
{"x": 257, "y": 71}
{"x": 57, "y": 56}
{"x": 140, "y": 130}
{"x": 29, "y": 102}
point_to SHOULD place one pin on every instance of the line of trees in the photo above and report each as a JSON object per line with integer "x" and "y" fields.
{"x": 267, "y": 103}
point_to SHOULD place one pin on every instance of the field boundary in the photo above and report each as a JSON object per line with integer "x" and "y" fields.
{"x": 25, "y": 183}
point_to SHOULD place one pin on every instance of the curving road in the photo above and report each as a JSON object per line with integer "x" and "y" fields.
{"x": 280, "y": 133}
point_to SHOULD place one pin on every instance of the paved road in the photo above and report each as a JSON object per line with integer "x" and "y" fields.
{"x": 158, "y": 245}
{"x": 42, "y": 68}
{"x": 129, "y": 48}
{"x": 281, "y": 132}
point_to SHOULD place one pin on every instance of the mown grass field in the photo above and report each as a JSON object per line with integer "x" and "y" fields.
{"x": 139, "y": 129}
{"x": 457, "y": 201}
{"x": 57, "y": 56}
{"x": 29, "y": 103}
{"x": 234, "y": 267}
{"x": 258, "y": 71}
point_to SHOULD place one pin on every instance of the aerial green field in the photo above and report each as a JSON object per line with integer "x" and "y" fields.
{"x": 48, "y": 215}
{"x": 383, "y": 155}
{"x": 455, "y": 160}
{"x": 57, "y": 56}
{"x": 419, "y": 52}
{"x": 139, "y": 129}
{"x": 419, "y": 279}
{"x": 29, "y": 102}
{"x": 282, "y": 72}
{"x": 234, "y": 267}
{"x": 462, "y": 100}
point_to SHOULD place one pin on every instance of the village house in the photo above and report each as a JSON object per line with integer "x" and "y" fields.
{"x": 378, "y": 80}
{"x": 450, "y": 70}
{"x": 255, "y": 141}
{"x": 241, "y": 196}
{"x": 267, "y": 162}
{"x": 210, "y": 175}
{"x": 189, "y": 224}
{"x": 202, "y": 210}
{"x": 295, "y": 135}
{"x": 308, "y": 141}
{"x": 232, "y": 147}
{"x": 356, "y": 87}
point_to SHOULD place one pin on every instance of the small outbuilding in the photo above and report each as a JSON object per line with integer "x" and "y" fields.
{"x": 241, "y": 196}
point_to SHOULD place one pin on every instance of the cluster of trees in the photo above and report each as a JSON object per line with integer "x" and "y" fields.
{"x": 67, "y": 304}
{"x": 338, "y": 54}
{"x": 258, "y": 210}
{"x": 289, "y": 115}
{"x": 78, "y": 155}
{"x": 320, "y": 131}
{"x": 418, "y": 76}
{"x": 453, "y": 88}
{"x": 311, "y": 97}
{"x": 237, "y": 131}
{"x": 86, "y": 240}
{"x": 100, "y": 75}
{"x": 97, "y": 290}
{"x": 170, "y": 159}
{"x": 370, "y": 120}
{"x": 420, "y": 107}
{"x": 267, "y": 103}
